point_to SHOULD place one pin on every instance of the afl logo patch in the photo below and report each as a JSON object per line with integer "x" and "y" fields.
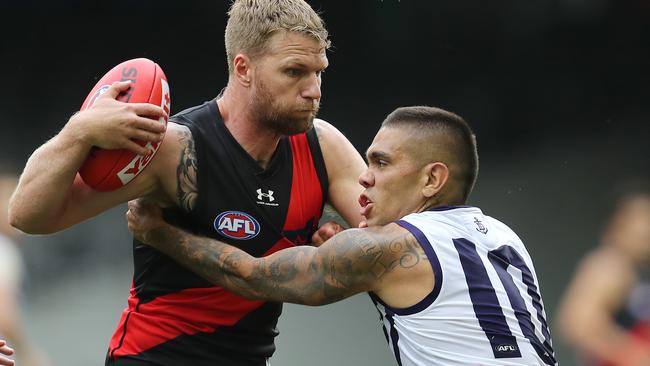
{"x": 237, "y": 225}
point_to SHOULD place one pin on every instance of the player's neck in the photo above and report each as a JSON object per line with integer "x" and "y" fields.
{"x": 259, "y": 143}
{"x": 440, "y": 200}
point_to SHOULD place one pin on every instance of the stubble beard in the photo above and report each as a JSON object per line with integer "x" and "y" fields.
{"x": 278, "y": 117}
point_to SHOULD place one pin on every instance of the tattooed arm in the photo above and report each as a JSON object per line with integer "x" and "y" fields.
{"x": 186, "y": 188}
{"x": 353, "y": 261}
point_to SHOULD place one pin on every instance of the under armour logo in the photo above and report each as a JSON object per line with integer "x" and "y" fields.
{"x": 480, "y": 227}
{"x": 261, "y": 195}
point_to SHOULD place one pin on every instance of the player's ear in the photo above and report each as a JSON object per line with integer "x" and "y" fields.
{"x": 437, "y": 176}
{"x": 242, "y": 69}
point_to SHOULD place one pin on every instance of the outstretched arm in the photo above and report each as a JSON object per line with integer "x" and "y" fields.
{"x": 353, "y": 261}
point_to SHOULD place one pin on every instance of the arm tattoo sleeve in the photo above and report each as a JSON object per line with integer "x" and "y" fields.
{"x": 186, "y": 171}
{"x": 353, "y": 261}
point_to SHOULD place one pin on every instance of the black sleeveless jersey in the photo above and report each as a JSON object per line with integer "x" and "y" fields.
{"x": 176, "y": 317}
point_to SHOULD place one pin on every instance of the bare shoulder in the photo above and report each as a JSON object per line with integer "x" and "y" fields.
{"x": 176, "y": 166}
{"x": 344, "y": 165}
{"x": 327, "y": 133}
{"x": 338, "y": 152}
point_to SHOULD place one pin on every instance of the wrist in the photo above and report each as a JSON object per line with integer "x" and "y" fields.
{"x": 73, "y": 133}
{"x": 159, "y": 235}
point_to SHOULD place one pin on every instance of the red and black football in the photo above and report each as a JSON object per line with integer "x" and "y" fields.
{"x": 107, "y": 170}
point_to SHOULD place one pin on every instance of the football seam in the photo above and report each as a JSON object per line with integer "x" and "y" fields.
{"x": 113, "y": 171}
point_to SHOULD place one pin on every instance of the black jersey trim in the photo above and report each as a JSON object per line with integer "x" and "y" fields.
{"x": 126, "y": 321}
{"x": 319, "y": 162}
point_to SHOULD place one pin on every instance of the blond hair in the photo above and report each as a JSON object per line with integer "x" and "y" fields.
{"x": 252, "y": 22}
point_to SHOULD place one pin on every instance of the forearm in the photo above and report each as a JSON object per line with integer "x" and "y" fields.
{"x": 301, "y": 275}
{"x": 217, "y": 262}
{"x": 46, "y": 183}
{"x": 289, "y": 275}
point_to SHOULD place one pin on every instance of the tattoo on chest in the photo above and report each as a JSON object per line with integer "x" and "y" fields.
{"x": 186, "y": 171}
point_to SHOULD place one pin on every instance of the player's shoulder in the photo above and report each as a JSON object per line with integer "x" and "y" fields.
{"x": 328, "y": 133}
{"x": 338, "y": 151}
{"x": 320, "y": 124}
{"x": 178, "y": 141}
{"x": 177, "y": 132}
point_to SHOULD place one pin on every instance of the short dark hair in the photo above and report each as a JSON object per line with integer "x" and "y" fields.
{"x": 452, "y": 126}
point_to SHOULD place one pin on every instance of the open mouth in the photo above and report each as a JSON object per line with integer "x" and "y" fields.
{"x": 366, "y": 205}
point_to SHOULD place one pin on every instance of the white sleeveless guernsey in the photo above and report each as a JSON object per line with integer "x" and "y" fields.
{"x": 485, "y": 307}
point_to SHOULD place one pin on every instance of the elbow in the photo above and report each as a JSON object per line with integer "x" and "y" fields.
{"x": 314, "y": 302}
{"x": 29, "y": 229}
{"x": 26, "y": 225}
{"x": 314, "y": 299}
{"x": 17, "y": 221}
{"x": 24, "y": 216}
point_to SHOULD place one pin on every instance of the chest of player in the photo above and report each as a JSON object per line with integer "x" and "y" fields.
{"x": 251, "y": 208}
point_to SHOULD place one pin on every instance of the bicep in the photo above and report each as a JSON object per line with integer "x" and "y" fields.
{"x": 178, "y": 168}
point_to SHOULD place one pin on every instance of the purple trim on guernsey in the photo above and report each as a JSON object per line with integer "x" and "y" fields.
{"x": 435, "y": 266}
{"x": 447, "y": 208}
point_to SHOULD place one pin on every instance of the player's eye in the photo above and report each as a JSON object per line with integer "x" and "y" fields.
{"x": 293, "y": 72}
{"x": 379, "y": 163}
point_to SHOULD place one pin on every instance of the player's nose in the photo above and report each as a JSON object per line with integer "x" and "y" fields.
{"x": 366, "y": 179}
{"x": 312, "y": 88}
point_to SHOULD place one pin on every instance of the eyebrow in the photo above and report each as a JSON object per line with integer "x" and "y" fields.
{"x": 377, "y": 155}
{"x": 295, "y": 61}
